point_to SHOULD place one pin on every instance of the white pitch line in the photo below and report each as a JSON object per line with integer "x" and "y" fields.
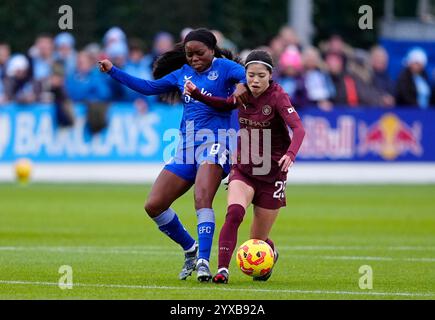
{"x": 104, "y": 250}
{"x": 358, "y": 248}
{"x": 273, "y": 291}
{"x": 135, "y": 249}
{"x": 375, "y": 258}
{"x": 92, "y": 250}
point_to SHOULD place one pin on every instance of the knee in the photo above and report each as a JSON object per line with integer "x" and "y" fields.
{"x": 235, "y": 214}
{"x": 154, "y": 207}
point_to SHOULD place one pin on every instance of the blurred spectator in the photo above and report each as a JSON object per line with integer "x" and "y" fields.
{"x": 117, "y": 52}
{"x": 87, "y": 85}
{"x": 277, "y": 47}
{"x": 5, "y": 53}
{"x": 64, "y": 111}
{"x": 289, "y": 37}
{"x": 86, "y": 82}
{"x": 380, "y": 79}
{"x": 138, "y": 66}
{"x": 64, "y": 44}
{"x": 224, "y": 42}
{"x": 336, "y": 45}
{"x": 244, "y": 53}
{"x": 114, "y": 35}
{"x": 291, "y": 78}
{"x": 42, "y": 54}
{"x": 95, "y": 52}
{"x": 163, "y": 42}
{"x": 18, "y": 84}
{"x": 355, "y": 60}
{"x": 318, "y": 83}
{"x": 350, "y": 90}
{"x": 413, "y": 86}
{"x": 184, "y": 33}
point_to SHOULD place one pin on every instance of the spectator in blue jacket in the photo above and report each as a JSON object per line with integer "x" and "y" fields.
{"x": 64, "y": 44}
{"x": 118, "y": 53}
{"x": 138, "y": 66}
{"x": 86, "y": 83}
{"x": 318, "y": 83}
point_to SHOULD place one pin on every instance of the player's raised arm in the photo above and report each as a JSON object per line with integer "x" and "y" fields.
{"x": 221, "y": 104}
{"x": 146, "y": 87}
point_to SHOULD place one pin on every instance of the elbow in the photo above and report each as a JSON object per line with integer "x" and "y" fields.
{"x": 299, "y": 129}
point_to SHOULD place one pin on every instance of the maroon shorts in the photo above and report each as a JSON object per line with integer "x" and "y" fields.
{"x": 267, "y": 195}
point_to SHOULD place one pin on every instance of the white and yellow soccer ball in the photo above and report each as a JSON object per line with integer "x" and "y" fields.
{"x": 23, "y": 170}
{"x": 255, "y": 258}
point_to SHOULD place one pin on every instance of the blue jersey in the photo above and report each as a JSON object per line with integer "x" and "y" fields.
{"x": 218, "y": 80}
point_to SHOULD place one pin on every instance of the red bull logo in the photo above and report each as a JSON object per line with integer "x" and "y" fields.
{"x": 390, "y": 138}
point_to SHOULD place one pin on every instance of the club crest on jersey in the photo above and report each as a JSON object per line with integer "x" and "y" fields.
{"x": 213, "y": 75}
{"x": 267, "y": 110}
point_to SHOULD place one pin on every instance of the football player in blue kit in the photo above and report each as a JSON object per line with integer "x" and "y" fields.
{"x": 212, "y": 69}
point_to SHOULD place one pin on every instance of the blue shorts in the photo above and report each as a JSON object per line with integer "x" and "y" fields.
{"x": 187, "y": 160}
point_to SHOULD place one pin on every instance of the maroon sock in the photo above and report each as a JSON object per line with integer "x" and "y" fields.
{"x": 228, "y": 234}
{"x": 270, "y": 243}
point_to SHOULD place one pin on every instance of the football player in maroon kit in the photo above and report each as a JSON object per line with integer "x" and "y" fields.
{"x": 270, "y": 113}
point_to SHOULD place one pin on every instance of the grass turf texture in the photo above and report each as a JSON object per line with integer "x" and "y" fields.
{"x": 116, "y": 252}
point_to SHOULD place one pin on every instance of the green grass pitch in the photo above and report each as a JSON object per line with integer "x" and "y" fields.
{"x": 116, "y": 252}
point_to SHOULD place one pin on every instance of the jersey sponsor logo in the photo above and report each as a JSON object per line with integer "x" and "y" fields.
{"x": 291, "y": 110}
{"x": 252, "y": 123}
{"x": 213, "y": 75}
{"x": 267, "y": 110}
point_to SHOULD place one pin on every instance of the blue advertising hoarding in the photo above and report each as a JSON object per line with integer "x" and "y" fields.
{"x": 372, "y": 134}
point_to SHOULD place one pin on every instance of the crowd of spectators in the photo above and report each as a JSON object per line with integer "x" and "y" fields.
{"x": 328, "y": 76}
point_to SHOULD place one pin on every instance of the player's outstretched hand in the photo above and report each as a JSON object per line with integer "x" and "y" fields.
{"x": 189, "y": 87}
{"x": 105, "y": 65}
{"x": 285, "y": 163}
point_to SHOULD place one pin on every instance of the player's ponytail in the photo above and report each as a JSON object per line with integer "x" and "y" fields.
{"x": 167, "y": 63}
{"x": 170, "y": 61}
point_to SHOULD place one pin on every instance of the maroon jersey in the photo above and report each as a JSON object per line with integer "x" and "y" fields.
{"x": 265, "y": 117}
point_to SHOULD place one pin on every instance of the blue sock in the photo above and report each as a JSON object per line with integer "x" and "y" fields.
{"x": 206, "y": 227}
{"x": 170, "y": 225}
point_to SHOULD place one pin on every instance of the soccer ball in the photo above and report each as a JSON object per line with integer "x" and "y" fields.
{"x": 23, "y": 170}
{"x": 255, "y": 258}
